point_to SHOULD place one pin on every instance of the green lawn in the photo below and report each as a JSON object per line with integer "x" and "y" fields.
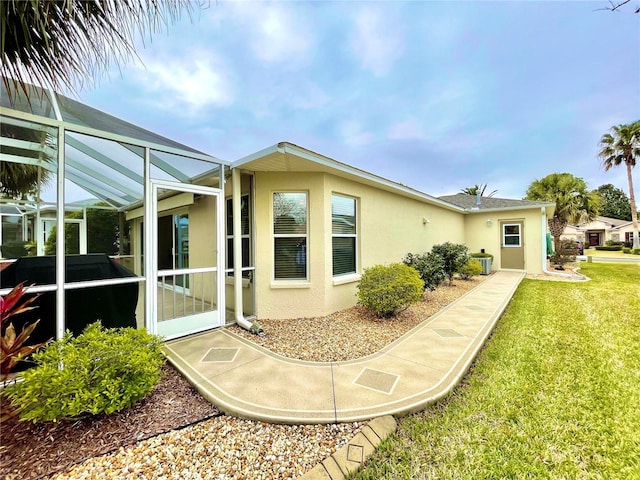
{"x": 555, "y": 393}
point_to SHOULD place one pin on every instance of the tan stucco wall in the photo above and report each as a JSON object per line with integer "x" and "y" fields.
{"x": 478, "y": 235}
{"x": 389, "y": 226}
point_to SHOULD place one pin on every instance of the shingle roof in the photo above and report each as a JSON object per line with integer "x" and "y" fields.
{"x": 469, "y": 202}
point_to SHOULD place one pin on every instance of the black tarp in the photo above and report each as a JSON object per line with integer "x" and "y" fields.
{"x": 114, "y": 305}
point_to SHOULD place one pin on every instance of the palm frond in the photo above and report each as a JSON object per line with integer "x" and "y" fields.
{"x": 67, "y": 43}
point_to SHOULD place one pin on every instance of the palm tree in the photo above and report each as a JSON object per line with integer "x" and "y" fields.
{"x": 62, "y": 43}
{"x": 574, "y": 202}
{"x": 622, "y": 146}
{"x": 478, "y": 189}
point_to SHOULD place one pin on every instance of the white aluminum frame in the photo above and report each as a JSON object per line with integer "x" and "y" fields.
{"x": 151, "y": 252}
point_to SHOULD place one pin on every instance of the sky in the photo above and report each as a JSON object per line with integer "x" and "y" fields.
{"x": 438, "y": 96}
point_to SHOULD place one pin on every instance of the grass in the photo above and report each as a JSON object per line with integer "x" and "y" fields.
{"x": 555, "y": 393}
{"x": 592, "y": 252}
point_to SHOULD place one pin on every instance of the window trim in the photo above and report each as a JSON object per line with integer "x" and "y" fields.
{"x": 356, "y": 252}
{"x": 511, "y": 235}
{"x": 229, "y": 236}
{"x": 289, "y": 282}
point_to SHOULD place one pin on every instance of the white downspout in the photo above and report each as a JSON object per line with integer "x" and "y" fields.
{"x": 237, "y": 253}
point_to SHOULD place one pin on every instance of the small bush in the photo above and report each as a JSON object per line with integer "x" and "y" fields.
{"x": 455, "y": 256}
{"x": 482, "y": 255}
{"x": 471, "y": 269}
{"x": 430, "y": 267}
{"x": 99, "y": 371}
{"x": 389, "y": 289}
{"x": 612, "y": 243}
{"x": 626, "y": 250}
{"x": 567, "y": 251}
{"x": 610, "y": 248}
{"x": 635, "y": 251}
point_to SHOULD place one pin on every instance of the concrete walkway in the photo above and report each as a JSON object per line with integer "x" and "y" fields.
{"x": 245, "y": 380}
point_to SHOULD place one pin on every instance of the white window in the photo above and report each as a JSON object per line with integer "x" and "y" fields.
{"x": 245, "y": 229}
{"x": 344, "y": 234}
{"x": 290, "y": 233}
{"x": 511, "y": 235}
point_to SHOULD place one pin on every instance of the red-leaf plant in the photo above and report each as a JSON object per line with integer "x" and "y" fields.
{"x": 12, "y": 347}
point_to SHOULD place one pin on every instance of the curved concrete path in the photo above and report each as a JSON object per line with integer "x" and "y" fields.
{"x": 246, "y": 380}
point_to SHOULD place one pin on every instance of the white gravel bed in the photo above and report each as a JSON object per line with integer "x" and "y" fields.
{"x": 222, "y": 448}
{"x": 226, "y": 448}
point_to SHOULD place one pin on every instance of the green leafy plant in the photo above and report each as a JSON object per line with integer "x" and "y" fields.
{"x": 430, "y": 267}
{"x": 609, "y": 248}
{"x": 482, "y": 255}
{"x": 566, "y": 252}
{"x": 12, "y": 346}
{"x": 471, "y": 269}
{"x": 635, "y": 251}
{"x": 389, "y": 289}
{"x": 99, "y": 371}
{"x": 454, "y": 255}
{"x": 626, "y": 250}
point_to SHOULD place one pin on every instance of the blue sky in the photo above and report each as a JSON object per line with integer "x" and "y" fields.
{"x": 435, "y": 95}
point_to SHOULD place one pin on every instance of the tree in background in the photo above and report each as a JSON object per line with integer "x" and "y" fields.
{"x": 622, "y": 146}
{"x": 63, "y": 43}
{"x": 478, "y": 189}
{"x": 574, "y": 203}
{"x": 614, "y": 203}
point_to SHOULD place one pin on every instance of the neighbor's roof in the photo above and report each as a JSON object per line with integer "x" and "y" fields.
{"x": 470, "y": 203}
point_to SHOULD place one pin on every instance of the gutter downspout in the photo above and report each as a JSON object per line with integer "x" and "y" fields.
{"x": 237, "y": 254}
{"x": 544, "y": 247}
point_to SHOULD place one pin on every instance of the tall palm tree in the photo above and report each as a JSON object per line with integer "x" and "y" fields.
{"x": 478, "y": 189}
{"x": 622, "y": 146}
{"x": 574, "y": 202}
{"x": 64, "y": 43}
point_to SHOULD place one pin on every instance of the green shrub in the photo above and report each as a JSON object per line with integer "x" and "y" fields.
{"x": 610, "y": 248}
{"x": 612, "y": 243}
{"x": 482, "y": 255}
{"x": 454, "y": 255}
{"x": 626, "y": 250}
{"x": 567, "y": 251}
{"x": 99, "y": 371}
{"x": 430, "y": 267}
{"x": 471, "y": 269}
{"x": 389, "y": 289}
{"x": 635, "y": 251}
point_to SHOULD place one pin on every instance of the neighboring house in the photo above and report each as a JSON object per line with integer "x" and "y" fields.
{"x": 307, "y": 227}
{"x": 599, "y": 231}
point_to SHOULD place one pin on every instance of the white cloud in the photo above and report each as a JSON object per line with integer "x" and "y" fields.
{"x": 193, "y": 82}
{"x": 354, "y": 135}
{"x": 376, "y": 41}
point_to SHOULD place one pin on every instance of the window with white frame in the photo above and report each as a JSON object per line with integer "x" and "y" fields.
{"x": 245, "y": 230}
{"x": 511, "y": 235}
{"x": 343, "y": 234}
{"x": 290, "y": 232}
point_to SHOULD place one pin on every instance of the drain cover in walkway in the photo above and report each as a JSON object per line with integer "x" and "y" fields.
{"x": 447, "y": 332}
{"x": 220, "y": 355}
{"x": 377, "y": 380}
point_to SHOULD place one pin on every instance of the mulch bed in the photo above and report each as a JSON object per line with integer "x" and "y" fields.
{"x": 29, "y": 451}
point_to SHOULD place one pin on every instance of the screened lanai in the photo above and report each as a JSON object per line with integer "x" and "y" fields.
{"x": 142, "y": 241}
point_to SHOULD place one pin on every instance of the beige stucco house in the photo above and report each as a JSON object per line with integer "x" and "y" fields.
{"x": 306, "y": 225}
{"x": 599, "y": 231}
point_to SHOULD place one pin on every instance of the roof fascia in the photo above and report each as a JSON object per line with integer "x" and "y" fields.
{"x": 286, "y": 147}
{"x": 518, "y": 207}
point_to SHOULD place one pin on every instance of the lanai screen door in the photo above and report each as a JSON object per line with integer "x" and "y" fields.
{"x": 188, "y": 291}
